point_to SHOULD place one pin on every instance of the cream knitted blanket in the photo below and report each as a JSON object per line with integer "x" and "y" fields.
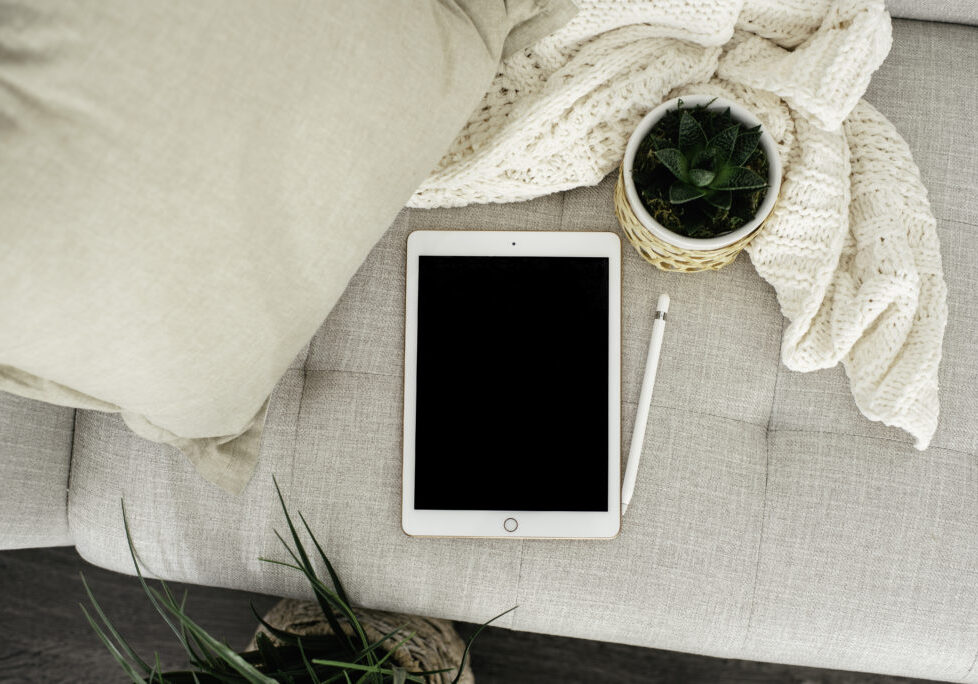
{"x": 851, "y": 247}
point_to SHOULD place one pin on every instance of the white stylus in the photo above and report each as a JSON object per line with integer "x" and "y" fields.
{"x": 644, "y": 401}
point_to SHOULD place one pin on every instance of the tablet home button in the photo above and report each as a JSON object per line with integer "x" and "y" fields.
{"x": 510, "y": 524}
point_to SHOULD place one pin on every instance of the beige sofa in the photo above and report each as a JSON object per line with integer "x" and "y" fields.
{"x": 770, "y": 521}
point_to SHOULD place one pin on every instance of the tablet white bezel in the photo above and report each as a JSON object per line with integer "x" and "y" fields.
{"x": 539, "y": 524}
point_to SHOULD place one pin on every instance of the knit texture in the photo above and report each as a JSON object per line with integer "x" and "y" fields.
{"x": 851, "y": 247}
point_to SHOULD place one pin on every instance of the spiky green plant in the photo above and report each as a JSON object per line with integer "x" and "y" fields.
{"x": 701, "y": 173}
{"x": 293, "y": 658}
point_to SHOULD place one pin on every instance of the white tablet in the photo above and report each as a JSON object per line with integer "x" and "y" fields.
{"x": 512, "y": 385}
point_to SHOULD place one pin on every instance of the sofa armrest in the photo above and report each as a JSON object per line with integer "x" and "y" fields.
{"x": 35, "y": 460}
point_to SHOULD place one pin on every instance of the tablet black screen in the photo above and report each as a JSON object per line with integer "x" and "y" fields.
{"x": 512, "y": 384}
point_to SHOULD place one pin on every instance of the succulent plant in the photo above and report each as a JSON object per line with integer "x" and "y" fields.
{"x": 700, "y": 172}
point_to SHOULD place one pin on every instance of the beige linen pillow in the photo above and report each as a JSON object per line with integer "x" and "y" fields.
{"x": 186, "y": 188}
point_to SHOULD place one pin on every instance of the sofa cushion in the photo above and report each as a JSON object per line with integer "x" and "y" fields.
{"x": 770, "y": 521}
{"x": 187, "y": 189}
{"x": 35, "y": 452}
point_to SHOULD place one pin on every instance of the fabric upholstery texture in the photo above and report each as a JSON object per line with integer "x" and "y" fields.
{"x": 35, "y": 454}
{"x": 770, "y": 521}
{"x": 187, "y": 189}
{"x": 952, "y": 11}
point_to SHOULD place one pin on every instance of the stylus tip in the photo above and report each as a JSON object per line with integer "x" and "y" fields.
{"x": 663, "y": 304}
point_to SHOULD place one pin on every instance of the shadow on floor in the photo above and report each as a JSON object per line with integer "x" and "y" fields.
{"x": 44, "y": 636}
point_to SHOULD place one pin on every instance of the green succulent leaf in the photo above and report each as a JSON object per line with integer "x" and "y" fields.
{"x": 675, "y": 161}
{"x": 723, "y": 175}
{"x": 700, "y": 172}
{"x": 738, "y": 178}
{"x": 658, "y": 142}
{"x": 701, "y": 177}
{"x": 704, "y": 158}
{"x": 746, "y": 144}
{"x": 723, "y": 143}
{"x": 680, "y": 193}
{"x": 691, "y": 135}
{"x": 720, "y": 198}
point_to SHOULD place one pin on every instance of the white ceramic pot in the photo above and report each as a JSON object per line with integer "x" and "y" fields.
{"x": 740, "y": 115}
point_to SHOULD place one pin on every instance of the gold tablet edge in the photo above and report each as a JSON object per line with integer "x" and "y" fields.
{"x": 621, "y": 330}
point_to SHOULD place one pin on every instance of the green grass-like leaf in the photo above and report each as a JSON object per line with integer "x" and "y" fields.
{"x": 309, "y": 571}
{"x": 126, "y": 666}
{"x": 333, "y": 577}
{"x": 391, "y": 651}
{"x": 129, "y": 652}
{"x": 146, "y": 590}
{"x": 468, "y": 644}
{"x": 287, "y": 660}
{"x": 313, "y": 641}
{"x": 223, "y": 652}
{"x": 268, "y": 652}
{"x": 313, "y": 676}
{"x": 328, "y": 598}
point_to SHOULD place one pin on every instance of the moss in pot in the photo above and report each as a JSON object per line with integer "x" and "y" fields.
{"x": 701, "y": 173}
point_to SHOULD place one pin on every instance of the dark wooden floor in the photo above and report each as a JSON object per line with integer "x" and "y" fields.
{"x": 44, "y": 637}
